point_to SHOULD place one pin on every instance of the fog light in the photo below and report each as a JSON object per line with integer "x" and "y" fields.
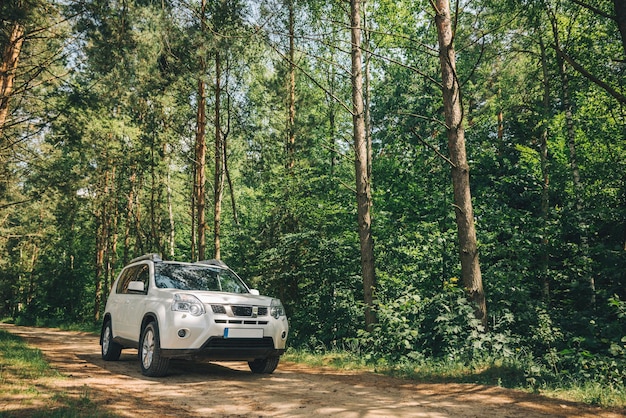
{"x": 182, "y": 333}
{"x": 283, "y": 335}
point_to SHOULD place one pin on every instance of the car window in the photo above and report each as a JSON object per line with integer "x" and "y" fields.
{"x": 143, "y": 275}
{"x": 139, "y": 273}
{"x": 229, "y": 283}
{"x": 197, "y": 277}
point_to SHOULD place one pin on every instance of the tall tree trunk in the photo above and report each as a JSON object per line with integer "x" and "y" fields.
{"x": 500, "y": 133}
{"x": 170, "y": 213}
{"x": 8, "y": 67}
{"x": 225, "y": 156}
{"x": 291, "y": 132}
{"x": 103, "y": 230}
{"x": 113, "y": 234}
{"x": 192, "y": 245}
{"x": 620, "y": 19}
{"x": 129, "y": 217}
{"x": 545, "y": 180}
{"x": 200, "y": 178}
{"x": 453, "y": 109}
{"x": 31, "y": 274}
{"x": 367, "y": 93}
{"x": 219, "y": 161}
{"x": 332, "y": 116}
{"x": 363, "y": 187}
{"x": 154, "y": 241}
{"x": 139, "y": 235}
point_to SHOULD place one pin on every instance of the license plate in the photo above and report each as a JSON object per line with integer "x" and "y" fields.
{"x": 243, "y": 333}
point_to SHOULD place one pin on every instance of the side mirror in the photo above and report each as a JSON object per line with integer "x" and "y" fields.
{"x": 254, "y": 292}
{"x": 136, "y": 286}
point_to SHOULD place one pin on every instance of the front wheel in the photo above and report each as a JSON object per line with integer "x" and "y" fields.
{"x": 264, "y": 365}
{"x": 110, "y": 349}
{"x": 152, "y": 363}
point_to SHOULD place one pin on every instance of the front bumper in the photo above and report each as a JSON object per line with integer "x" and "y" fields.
{"x": 219, "y": 348}
{"x": 208, "y": 335}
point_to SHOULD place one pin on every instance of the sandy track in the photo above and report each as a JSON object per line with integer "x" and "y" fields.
{"x": 200, "y": 389}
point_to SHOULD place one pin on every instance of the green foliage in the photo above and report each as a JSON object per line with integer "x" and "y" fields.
{"x": 104, "y": 161}
{"x": 412, "y": 328}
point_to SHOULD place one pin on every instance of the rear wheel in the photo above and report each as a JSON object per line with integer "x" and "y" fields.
{"x": 110, "y": 349}
{"x": 152, "y": 363}
{"x": 264, "y": 365}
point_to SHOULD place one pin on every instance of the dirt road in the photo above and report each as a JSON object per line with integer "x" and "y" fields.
{"x": 197, "y": 389}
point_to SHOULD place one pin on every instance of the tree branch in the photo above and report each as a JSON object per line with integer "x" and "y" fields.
{"x": 420, "y": 139}
{"x": 585, "y": 73}
{"x": 593, "y": 9}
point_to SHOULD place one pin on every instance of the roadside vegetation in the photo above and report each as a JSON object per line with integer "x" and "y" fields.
{"x": 24, "y": 381}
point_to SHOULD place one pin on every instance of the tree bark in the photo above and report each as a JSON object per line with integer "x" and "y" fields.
{"x": 545, "y": 180}
{"x": 291, "y": 132}
{"x": 200, "y": 179}
{"x": 114, "y": 235}
{"x": 363, "y": 186}
{"x": 170, "y": 213}
{"x": 200, "y": 152}
{"x": 8, "y": 67}
{"x": 367, "y": 92}
{"x": 620, "y": 19}
{"x": 219, "y": 161}
{"x": 453, "y": 109}
{"x": 129, "y": 216}
{"x": 103, "y": 232}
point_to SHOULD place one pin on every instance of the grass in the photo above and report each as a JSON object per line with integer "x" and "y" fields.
{"x": 509, "y": 374}
{"x": 18, "y": 361}
{"x": 340, "y": 360}
{"x": 26, "y": 387}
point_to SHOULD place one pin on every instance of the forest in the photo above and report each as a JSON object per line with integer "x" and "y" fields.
{"x": 415, "y": 180}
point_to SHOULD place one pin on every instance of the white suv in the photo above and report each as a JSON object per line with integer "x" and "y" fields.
{"x": 171, "y": 309}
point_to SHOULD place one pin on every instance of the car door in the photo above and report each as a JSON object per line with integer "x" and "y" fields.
{"x": 137, "y": 302}
{"x": 130, "y": 301}
{"x": 117, "y": 303}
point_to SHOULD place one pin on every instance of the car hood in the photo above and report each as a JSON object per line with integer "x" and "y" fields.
{"x": 224, "y": 298}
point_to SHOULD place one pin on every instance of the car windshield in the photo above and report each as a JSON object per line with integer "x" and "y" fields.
{"x": 197, "y": 277}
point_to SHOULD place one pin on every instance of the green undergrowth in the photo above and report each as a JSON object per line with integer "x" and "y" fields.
{"x": 18, "y": 361}
{"x": 27, "y": 385}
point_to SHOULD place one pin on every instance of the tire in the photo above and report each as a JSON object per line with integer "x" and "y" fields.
{"x": 264, "y": 365}
{"x": 152, "y": 363}
{"x": 110, "y": 349}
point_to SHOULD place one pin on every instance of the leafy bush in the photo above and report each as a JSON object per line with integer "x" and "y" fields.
{"x": 443, "y": 326}
{"x": 396, "y": 335}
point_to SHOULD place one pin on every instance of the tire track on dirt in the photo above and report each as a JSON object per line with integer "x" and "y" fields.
{"x": 200, "y": 389}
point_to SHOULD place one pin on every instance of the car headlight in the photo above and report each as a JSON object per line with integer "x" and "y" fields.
{"x": 187, "y": 303}
{"x": 276, "y": 308}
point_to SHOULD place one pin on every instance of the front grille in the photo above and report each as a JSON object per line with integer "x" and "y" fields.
{"x": 219, "y": 309}
{"x": 245, "y": 310}
{"x": 242, "y": 310}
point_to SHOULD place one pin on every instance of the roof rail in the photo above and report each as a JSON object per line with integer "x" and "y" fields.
{"x": 150, "y": 257}
{"x": 213, "y": 262}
